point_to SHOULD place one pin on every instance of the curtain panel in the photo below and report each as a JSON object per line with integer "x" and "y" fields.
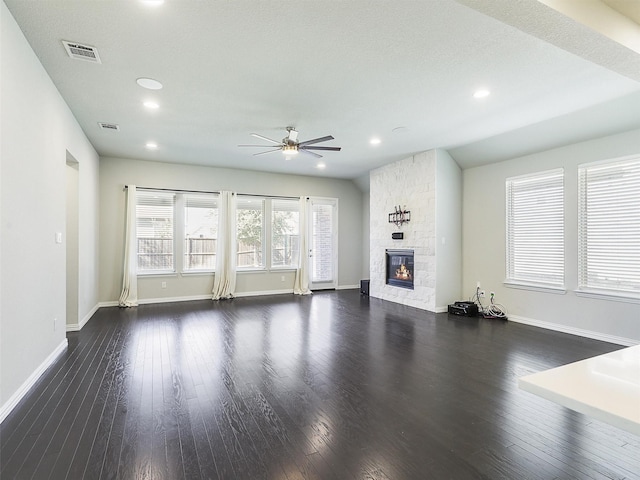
{"x": 224, "y": 281}
{"x": 301, "y": 284}
{"x": 129, "y": 294}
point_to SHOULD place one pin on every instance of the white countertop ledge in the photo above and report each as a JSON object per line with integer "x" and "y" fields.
{"x": 606, "y": 387}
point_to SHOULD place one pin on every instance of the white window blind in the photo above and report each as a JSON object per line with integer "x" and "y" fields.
{"x": 323, "y": 242}
{"x": 285, "y": 235}
{"x": 609, "y": 226}
{"x": 154, "y": 230}
{"x": 200, "y": 232}
{"x": 535, "y": 229}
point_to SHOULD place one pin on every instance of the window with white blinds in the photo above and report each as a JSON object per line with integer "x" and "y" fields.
{"x": 200, "y": 232}
{"x": 155, "y": 231}
{"x": 535, "y": 229}
{"x": 609, "y": 226}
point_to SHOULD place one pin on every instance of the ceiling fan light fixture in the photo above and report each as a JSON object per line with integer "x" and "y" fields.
{"x": 290, "y": 149}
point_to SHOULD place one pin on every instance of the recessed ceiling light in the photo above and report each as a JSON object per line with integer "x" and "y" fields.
{"x": 375, "y": 141}
{"x": 151, "y": 145}
{"x": 149, "y": 83}
{"x": 151, "y": 105}
{"x": 481, "y": 93}
{"x": 152, "y": 3}
{"x": 321, "y": 166}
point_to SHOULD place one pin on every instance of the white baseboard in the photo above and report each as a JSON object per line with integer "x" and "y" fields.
{"x": 266, "y": 292}
{"x": 76, "y": 327}
{"x": 208, "y": 296}
{"x": 30, "y": 382}
{"x": 628, "y": 342}
{"x": 190, "y": 298}
{"x": 348, "y": 287}
{"x": 148, "y": 301}
{"x": 112, "y": 303}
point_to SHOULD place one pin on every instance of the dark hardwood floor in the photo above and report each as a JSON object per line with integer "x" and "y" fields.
{"x": 331, "y": 386}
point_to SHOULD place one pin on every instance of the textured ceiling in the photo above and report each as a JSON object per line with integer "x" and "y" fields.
{"x": 353, "y": 70}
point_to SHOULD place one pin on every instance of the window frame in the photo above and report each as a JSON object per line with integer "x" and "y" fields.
{"x": 607, "y": 207}
{"x": 184, "y": 200}
{"x": 270, "y": 233}
{"x": 161, "y": 194}
{"x": 179, "y": 234}
{"x": 263, "y": 237}
{"x": 267, "y": 235}
{"x": 554, "y": 181}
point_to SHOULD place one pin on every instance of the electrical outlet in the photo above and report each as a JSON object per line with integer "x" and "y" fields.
{"x": 164, "y": 284}
{"x": 282, "y": 278}
{"x": 481, "y": 294}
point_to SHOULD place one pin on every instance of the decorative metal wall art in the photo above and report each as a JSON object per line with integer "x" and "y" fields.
{"x": 400, "y": 216}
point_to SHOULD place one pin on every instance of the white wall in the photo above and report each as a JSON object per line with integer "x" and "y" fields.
{"x": 72, "y": 235}
{"x": 116, "y": 172}
{"x": 448, "y": 240}
{"x": 484, "y": 244}
{"x": 38, "y": 130}
{"x": 366, "y": 228}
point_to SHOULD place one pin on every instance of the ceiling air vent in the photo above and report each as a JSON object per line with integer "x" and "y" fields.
{"x": 82, "y": 52}
{"x": 109, "y": 126}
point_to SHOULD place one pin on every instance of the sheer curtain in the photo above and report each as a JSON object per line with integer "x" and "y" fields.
{"x": 224, "y": 281}
{"x": 301, "y": 284}
{"x": 129, "y": 294}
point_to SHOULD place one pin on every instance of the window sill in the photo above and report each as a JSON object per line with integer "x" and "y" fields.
{"x": 535, "y": 287}
{"x": 608, "y": 295}
{"x": 251, "y": 270}
{"x": 193, "y": 273}
{"x": 265, "y": 270}
{"x": 156, "y": 274}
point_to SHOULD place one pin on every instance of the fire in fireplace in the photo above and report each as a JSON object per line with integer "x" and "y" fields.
{"x": 400, "y": 268}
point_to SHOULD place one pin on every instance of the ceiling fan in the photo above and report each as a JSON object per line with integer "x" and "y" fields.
{"x": 290, "y": 145}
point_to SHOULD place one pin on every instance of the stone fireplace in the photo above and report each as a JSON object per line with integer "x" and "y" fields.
{"x": 400, "y": 268}
{"x": 417, "y": 182}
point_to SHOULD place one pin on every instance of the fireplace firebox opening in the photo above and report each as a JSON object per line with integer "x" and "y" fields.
{"x": 400, "y": 268}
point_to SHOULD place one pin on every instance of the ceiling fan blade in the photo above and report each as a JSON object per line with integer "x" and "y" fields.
{"x": 330, "y": 149}
{"x": 268, "y": 151}
{"x": 309, "y": 152}
{"x": 263, "y": 146}
{"x": 315, "y": 140}
{"x": 265, "y": 138}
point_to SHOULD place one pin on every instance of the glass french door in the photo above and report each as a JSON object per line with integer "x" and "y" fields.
{"x": 323, "y": 243}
